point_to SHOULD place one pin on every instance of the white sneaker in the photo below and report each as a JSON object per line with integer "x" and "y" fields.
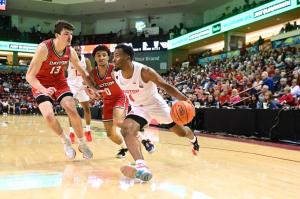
{"x": 69, "y": 151}
{"x": 86, "y": 152}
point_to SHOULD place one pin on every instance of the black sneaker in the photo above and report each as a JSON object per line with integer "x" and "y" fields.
{"x": 148, "y": 146}
{"x": 196, "y": 147}
{"x": 122, "y": 153}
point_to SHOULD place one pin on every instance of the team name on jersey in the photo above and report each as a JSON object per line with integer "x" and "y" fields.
{"x": 106, "y": 84}
{"x": 54, "y": 63}
{"x": 131, "y": 91}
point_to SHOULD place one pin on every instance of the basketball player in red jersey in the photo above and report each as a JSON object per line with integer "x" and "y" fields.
{"x": 115, "y": 103}
{"x": 46, "y": 76}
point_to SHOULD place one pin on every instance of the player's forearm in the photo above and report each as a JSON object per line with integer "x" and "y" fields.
{"x": 172, "y": 91}
{"x": 88, "y": 82}
{"x": 35, "y": 83}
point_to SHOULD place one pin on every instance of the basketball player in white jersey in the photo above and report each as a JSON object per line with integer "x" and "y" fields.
{"x": 139, "y": 84}
{"x": 75, "y": 83}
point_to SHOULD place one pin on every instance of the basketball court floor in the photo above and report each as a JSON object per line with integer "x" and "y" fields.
{"x": 33, "y": 165}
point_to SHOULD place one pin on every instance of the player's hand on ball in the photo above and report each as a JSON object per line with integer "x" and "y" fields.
{"x": 190, "y": 102}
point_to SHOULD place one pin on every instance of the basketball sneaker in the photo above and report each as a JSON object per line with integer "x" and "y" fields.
{"x": 88, "y": 136}
{"x": 86, "y": 152}
{"x": 72, "y": 137}
{"x": 122, "y": 153}
{"x": 148, "y": 146}
{"x": 69, "y": 151}
{"x": 139, "y": 171}
{"x": 196, "y": 147}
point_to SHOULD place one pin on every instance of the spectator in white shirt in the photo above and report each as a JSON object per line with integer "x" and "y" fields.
{"x": 295, "y": 88}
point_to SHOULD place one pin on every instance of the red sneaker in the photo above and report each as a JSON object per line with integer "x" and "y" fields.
{"x": 72, "y": 137}
{"x": 88, "y": 136}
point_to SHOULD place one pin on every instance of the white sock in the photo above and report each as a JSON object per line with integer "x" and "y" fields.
{"x": 193, "y": 140}
{"x": 87, "y": 128}
{"x": 140, "y": 161}
{"x": 140, "y": 136}
{"x": 123, "y": 145}
{"x": 118, "y": 131}
{"x": 63, "y": 137}
{"x": 81, "y": 141}
{"x": 71, "y": 129}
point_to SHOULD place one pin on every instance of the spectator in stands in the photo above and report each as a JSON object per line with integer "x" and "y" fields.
{"x": 261, "y": 96}
{"x": 282, "y": 30}
{"x": 266, "y": 80}
{"x": 268, "y": 102}
{"x": 289, "y": 27}
{"x": 253, "y": 102}
{"x": 280, "y": 89}
{"x": 295, "y": 89}
{"x": 276, "y": 78}
{"x": 296, "y": 26}
{"x": 257, "y": 84}
{"x": 182, "y": 30}
{"x": 210, "y": 102}
{"x": 260, "y": 42}
{"x": 235, "y": 97}
{"x": 287, "y": 98}
{"x": 171, "y": 34}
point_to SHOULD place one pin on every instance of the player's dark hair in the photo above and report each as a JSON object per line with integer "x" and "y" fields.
{"x": 126, "y": 49}
{"x": 62, "y": 24}
{"x": 101, "y": 48}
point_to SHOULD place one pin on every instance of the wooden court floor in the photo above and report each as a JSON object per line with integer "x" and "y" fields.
{"x": 33, "y": 165}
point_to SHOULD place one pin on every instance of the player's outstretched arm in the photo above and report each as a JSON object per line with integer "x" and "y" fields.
{"x": 39, "y": 57}
{"x": 148, "y": 74}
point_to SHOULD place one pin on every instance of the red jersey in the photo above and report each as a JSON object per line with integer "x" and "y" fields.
{"x": 107, "y": 84}
{"x": 52, "y": 69}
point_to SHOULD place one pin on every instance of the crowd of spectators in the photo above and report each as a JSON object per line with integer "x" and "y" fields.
{"x": 268, "y": 79}
{"x": 264, "y": 79}
{"x": 15, "y": 94}
{"x": 289, "y": 27}
{"x": 37, "y": 35}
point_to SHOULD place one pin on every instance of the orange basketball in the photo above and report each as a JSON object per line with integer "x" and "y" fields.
{"x": 182, "y": 112}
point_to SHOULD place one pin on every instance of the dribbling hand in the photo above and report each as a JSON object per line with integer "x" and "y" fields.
{"x": 190, "y": 102}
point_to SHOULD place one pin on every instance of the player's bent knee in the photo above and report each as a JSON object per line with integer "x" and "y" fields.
{"x": 71, "y": 111}
{"x": 49, "y": 116}
{"x": 127, "y": 131}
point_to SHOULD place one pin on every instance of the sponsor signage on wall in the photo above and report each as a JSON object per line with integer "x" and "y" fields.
{"x": 261, "y": 12}
{"x": 16, "y": 46}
